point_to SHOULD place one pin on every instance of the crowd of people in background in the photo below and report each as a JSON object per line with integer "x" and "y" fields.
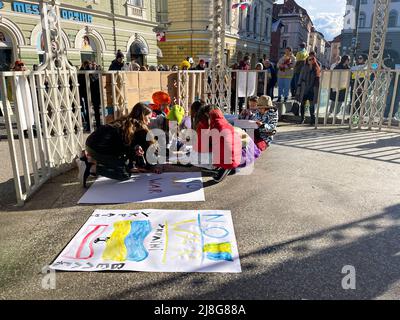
{"x": 119, "y": 64}
{"x": 296, "y": 75}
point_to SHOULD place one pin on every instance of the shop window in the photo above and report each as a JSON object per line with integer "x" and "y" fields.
{"x": 6, "y": 52}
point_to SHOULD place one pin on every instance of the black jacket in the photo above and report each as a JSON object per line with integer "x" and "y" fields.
{"x": 115, "y": 66}
{"x": 109, "y": 140}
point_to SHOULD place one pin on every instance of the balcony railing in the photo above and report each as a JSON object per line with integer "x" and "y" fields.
{"x": 135, "y": 8}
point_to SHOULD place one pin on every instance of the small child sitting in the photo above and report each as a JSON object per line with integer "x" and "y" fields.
{"x": 248, "y": 114}
{"x": 266, "y": 118}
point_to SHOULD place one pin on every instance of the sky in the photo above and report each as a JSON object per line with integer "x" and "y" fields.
{"x": 327, "y": 15}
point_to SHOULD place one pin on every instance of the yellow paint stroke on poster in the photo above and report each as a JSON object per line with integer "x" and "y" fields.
{"x": 218, "y": 251}
{"x": 217, "y": 247}
{"x": 115, "y": 247}
{"x": 176, "y": 227}
{"x": 164, "y": 259}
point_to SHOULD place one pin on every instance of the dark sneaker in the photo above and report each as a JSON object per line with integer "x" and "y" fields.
{"x": 221, "y": 174}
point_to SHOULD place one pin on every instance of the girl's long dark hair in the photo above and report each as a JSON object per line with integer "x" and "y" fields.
{"x": 203, "y": 115}
{"x": 194, "y": 109}
{"x": 133, "y": 122}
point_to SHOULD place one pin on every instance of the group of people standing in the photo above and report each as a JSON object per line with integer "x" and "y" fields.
{"x": 119, "y": 64}
{"x": 300, "y": 75}
{"x": 296, "y": 75}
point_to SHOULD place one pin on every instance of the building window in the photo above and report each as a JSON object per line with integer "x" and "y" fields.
{"x": 266, "y": 28}
{"x": 89, "y": 50}
{"x": 228, "y": 12}
{"x": 162, "y": 11}
{"x": 255, "y": 22}
{"x": 136, "y": 3}
{"x": 284, "y": 44}
{"x": 362, "y": 20}
{"x": 6, "y": 52}
{"x": 248, "y": 17}
{"x": 393, "y": 16}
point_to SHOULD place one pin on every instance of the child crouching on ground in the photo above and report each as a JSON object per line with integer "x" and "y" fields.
{"x": 267, "y": 121}
{"x": 113, "y": 149}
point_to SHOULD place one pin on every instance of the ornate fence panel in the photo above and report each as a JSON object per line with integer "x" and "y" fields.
{"x": 363, "y": 99}
{"x": 43, "y": 107}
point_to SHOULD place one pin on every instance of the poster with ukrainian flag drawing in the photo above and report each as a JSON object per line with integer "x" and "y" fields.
{"x": 153, "y": 240}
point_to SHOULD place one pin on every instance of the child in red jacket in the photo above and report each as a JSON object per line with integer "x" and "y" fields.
{"x": 215, "y": 136}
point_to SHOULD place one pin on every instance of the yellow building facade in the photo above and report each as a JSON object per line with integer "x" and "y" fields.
{"x": 187, "y": 26}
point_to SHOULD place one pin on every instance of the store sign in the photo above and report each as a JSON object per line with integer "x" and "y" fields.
{"x": 76, "y": 16}
{"x": 65, "y": 14}
{"x": 1, "y": 4}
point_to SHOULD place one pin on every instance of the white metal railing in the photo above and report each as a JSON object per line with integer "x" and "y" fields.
{"x": 359, "y": 99}
{"x": 44, "y": 107}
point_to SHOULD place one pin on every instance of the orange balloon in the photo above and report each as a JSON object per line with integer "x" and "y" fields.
{"x": 161, "y": 97}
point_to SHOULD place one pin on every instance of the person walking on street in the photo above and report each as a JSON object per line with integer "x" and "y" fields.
{"x": 245, "y": 65}
{"x": 344, "y": 64}
{"x": 260, "y": 79}
{"x": 285, "y": 74}
{"x": 338, "y": 61}
{"x": 301, "y": 58}
{"x": 118, "y": 63}
{"x": 308, "y": 87}
{"x": 272, "y": 78}
{"x": 201, "y": 65}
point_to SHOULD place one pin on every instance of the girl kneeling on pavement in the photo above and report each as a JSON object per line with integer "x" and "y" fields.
{"x": 222, "y": 152}
{"x": 113, "y": 149}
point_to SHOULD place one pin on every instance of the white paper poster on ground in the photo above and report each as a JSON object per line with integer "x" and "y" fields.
{"x": 165, "y": 187}
{"x": 246, "y": 124}
{"x": 153, "y": 240}
{"x": 251, "y": 84}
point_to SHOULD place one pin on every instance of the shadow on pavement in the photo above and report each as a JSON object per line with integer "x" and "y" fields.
{"x": 374, "y": 145}
{"x": 375, "y": 255}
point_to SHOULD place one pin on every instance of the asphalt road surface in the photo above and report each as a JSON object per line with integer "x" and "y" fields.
{"x": 317, "y": 201}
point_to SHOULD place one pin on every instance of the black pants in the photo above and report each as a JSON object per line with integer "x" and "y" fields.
{"x": 110, "y": 166}
{"x": 303, "y": 110}
{"x": 241, "y": 102}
